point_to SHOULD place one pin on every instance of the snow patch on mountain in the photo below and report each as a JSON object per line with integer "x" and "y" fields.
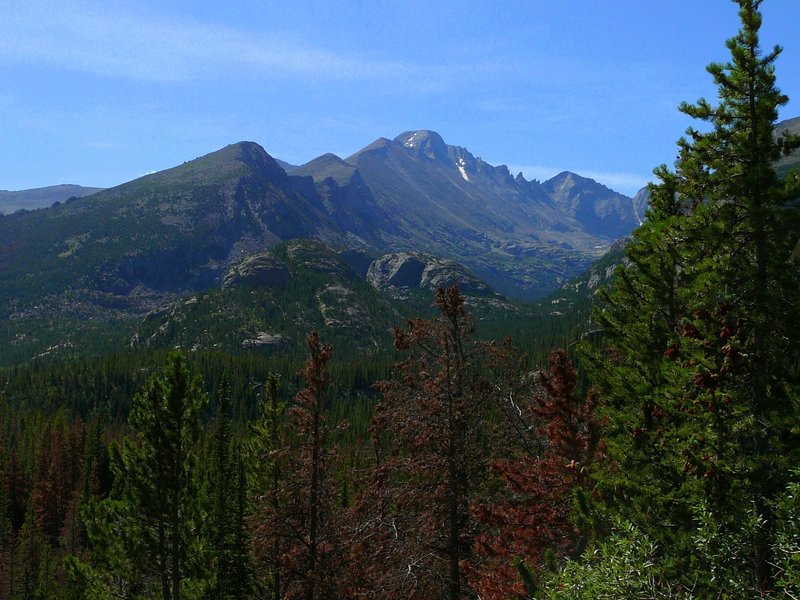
{"x": 462, "y": 169}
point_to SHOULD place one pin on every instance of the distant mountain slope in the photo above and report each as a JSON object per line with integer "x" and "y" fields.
{"x": 41, "y": 197}
{"x": 266, "y": 302}
{"x": 600, "y": 210}
{"x": 787, "y": 163}
{"x": 271, "y": 300}
{"x": 419, "y": 194}
{"x": 156, "y": 237}
{"x": 288, "y": 167}
{"x": 115, "y": 255}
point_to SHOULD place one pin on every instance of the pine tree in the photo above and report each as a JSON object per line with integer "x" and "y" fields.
{"x": 16, "y": 502}
{"x": 747, "y": 312}
{"x": 6, "y": 530}
{"x": 265, "y": 476}
{"x": 241, "y": 561}
{"x": 296, "y": 522}
{"x": 228, "y": 505}
{"x": 433, "y": 440}
{"x": 219, "y": 485}
{"x": 97, "y": 477}
{"x": 160, "y": 472}
{"x": 699, "y": 369}
{"x": 148, "y": 537}
{"x": 531, "y": 519}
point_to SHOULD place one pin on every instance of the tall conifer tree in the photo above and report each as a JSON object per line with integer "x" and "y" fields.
{"x": 701, "y": 330}
{"x": 295, "y": 526}
{"x": 147, "y": 539}
{"x": 434, "y": 433}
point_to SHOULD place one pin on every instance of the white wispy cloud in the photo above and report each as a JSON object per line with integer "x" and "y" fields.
{"x": 118, "y": 40}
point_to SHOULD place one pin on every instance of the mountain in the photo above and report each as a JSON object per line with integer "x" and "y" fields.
{"x": 170, "y": 232}
{"x": 269, "y": 301}
{"x": 413, "y": 278}
{"x": 418, "y": 194}
{"x": 288, "y": 167}
{"x": 792, "y": 161}
{"x": 600, "y": 210}
{"x": 91, "y": 267}
{"x": 41, "y": 197}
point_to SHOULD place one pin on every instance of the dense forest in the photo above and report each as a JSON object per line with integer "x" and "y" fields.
{"x": 666, "y": 465}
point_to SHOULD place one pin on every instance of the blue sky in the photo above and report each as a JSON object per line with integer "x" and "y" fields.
{"x": 98, "y": 93}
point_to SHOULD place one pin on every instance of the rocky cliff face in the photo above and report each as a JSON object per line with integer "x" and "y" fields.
{"x": 259, "y": 270}
{"x": 641, "y": 202}
{"x": 413, "y": 278}
{"x": 401, "y": 271}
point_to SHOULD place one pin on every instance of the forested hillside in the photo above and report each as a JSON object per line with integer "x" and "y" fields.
{"x": 326, "y": 424}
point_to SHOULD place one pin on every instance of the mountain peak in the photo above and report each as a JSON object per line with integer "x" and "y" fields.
{"x": 566, "y": 180}
{"x": 325, "y": 166}
{"x": 569, "y": 176}
{"x": 254, "y": 156}
{"x": 424, "y": 143}
{"x": 234, "y": 160}
{"x": 599, "y": 209}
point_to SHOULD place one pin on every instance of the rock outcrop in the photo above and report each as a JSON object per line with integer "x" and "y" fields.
{"x": 258, "y": 270}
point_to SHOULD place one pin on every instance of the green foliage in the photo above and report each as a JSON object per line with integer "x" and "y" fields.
{"x": 787, "y": 539}
{"x": 622, "y": 566}
{"x": 228, "y": 504}
{"x": 698, "y": 366}
{"x": 629, "y": 564}
{"x": 152, "y": 534}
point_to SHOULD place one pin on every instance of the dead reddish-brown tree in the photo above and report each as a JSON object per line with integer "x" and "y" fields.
{"x": 532, "y": 515}
{"x": 298, "y": 515}
{"x": 57, "y": 475}
{"x": 432, "y": 436}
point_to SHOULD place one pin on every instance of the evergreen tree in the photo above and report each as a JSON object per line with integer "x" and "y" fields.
{"x": 219, "y": 486}
{"x": 264, "y": 479}
{"x": 16, "y": 502}
{"x": 226, "y": 485}
{"x": 7, "y": 537}
{"x": 241, "y": 562}
{"x": 746, "y": 345}
{"x": 530, "y": 519}
{"x": 147, "y": 538}
{"x": 699, "y": 368}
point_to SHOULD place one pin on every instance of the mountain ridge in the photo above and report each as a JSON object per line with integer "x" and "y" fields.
{"x": 34, "y": 198}
{"x": 125, "y": 251}
{"x": 439, "y": 197}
